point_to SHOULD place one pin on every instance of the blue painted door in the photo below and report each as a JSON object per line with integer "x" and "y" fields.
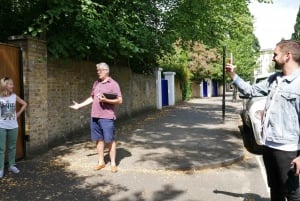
{"x": 164, "y": 92}
{"x": 204, "y": 88}
{"x": 215, "y": 88}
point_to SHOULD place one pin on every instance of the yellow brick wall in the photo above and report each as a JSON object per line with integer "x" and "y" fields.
{"x": 50, "y": 86}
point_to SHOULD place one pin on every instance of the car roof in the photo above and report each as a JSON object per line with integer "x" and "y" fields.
{"x": 262, "y": 77}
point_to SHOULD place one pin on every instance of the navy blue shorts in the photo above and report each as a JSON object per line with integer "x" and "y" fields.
{"x": 102, "y": 129}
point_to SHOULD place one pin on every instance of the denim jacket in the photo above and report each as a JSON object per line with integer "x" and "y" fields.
{"x": 284, "y": 119}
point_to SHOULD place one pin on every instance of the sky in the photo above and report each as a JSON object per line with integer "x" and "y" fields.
{"x": 272, "y": 22}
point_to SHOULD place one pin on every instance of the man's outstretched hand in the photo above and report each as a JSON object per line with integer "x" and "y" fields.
{"x": 75, "y": 105}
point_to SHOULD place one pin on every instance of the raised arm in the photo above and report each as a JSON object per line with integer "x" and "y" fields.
{"x": 77, "y": 106}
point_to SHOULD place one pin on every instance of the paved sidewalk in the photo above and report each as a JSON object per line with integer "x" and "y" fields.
{"x": 187, "y": 137}
{"x": 191, "y": 136}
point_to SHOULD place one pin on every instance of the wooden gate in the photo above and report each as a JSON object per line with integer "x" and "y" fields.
{"x": 11, "y": 66}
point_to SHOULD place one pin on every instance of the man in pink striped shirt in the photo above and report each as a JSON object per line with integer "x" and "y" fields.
{"x": 105, "y": 95}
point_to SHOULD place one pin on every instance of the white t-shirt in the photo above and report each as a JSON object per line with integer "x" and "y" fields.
{"x": 8, "y": 116}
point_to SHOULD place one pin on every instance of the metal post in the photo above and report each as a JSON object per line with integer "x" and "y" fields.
{"x": 223, "y": 99}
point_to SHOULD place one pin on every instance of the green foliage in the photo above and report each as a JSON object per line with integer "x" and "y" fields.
{"x": 192, "y": 61}
{"x": 116, "y": 31}
{"x": 213, "y": 25}
{"x": 178, "y": 61}
{"x": 139, "y": 31}
{"x": 16, "y": 16}
{"x": 186, "y": 90}
{"x": 202, "y": 61}
{"x": 241, "y": 41}
{"x": 296, "y": 34}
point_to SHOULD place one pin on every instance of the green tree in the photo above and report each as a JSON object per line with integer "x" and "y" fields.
{"x": 16, "y": 16}
{"x": 110, "y": 30}
{"x": 118, "y": 31}
{"x": 178, "y": 61}
{"x": 296, "y": 34}
{"x": 215, "y": 24}
{"x": 133, "y": 31}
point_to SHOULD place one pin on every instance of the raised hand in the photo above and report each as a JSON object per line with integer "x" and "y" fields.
{"x": 75, "y": 105}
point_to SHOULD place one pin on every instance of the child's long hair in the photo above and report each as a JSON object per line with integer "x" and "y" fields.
{"x": 3, "y": 84}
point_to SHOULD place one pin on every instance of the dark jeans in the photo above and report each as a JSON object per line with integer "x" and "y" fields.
{"x": 281, "y": 179}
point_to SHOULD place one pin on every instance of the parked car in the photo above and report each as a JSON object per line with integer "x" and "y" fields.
{"x": 251, "y": 115}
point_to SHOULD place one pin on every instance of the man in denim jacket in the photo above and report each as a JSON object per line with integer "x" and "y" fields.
{"x": 281, "y": 120}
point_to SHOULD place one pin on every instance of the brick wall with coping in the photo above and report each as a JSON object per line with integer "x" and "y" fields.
{"x": 34, "y": 53}
{"x": 50, "y": 86}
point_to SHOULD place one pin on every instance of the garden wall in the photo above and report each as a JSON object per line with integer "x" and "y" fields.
{"x": 50, "y": 86}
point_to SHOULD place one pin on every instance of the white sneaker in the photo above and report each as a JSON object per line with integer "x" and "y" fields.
{"x": 13, "y": 169}
{"x": 1, "y": 173}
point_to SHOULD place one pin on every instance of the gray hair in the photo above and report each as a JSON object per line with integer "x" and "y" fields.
{"x": 103, "y": 66}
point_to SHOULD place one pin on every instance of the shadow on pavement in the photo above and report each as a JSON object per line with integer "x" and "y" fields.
{"x": 190, "y": 136}
{"x": 246, "y": 196}
{"x": 48, "y": 179}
